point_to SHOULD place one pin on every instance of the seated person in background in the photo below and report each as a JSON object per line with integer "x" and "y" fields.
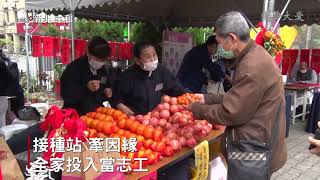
{"x": 306, "y": 75}
{"x": 139, "y": 89}
{"x": 85, "y": 83}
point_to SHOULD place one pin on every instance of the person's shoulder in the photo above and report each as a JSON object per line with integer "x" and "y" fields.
{"x": 77, "y": 62}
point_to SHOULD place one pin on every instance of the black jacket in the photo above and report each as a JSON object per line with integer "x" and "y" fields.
{"x": 5, "y": 78}
{"x": 142, "y": 93}
{"x": 74, "y": 91}
{"x": 193, "y": 70}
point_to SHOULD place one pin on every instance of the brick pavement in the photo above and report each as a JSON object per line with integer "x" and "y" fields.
{"x": 301, "y": 165}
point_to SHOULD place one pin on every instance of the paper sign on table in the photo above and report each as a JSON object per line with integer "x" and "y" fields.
{"x": 202, "y": 160}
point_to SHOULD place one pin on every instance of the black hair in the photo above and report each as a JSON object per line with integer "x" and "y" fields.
{"x": 99, "y": 47}
{"x": 139, "y": 47}
{"x": 211, "y": 40}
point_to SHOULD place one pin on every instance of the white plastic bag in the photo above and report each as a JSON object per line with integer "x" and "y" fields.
{"x": 107, "y": 104}
{"x": 217, "y": 170}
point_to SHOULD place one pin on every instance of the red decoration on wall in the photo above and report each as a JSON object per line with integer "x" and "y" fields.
{"x": 315, "y": 60}
{"x": 48, "y": 46}
{"x": 289, "y": 58}
{"x": 65, "y": 51}
{"x": 56, "y": 47}
{"x": 80, "y": 47}
{"x": 305, "y": 55}
{"x": 36, "y": 46}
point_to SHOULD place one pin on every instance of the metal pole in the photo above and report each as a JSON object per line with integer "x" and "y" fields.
{"x": 282, "y": 12}
{"x": 128, "y": 31}
{"x": 27, "y": 58}
{"x": 270, "y": 14}
{"x": 265, "y": 12}
{"x": 72, "y": 34}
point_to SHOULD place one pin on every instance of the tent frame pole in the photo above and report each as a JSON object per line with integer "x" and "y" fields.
{"x": 27, "y": 58}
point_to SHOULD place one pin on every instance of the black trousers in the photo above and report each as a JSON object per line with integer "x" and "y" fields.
{"x": 19, "y": 142}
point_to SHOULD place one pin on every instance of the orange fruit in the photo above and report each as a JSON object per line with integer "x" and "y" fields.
{"x": 108, "y": 118}
{"x": 99, "y": 109}
{"x": 84, "y": 117}
{"x": 122, "y": 123}
{"x": 140, "y": 138}
{"x": 107, "y": 128}
{"x": 121, "y": 132}
{"x": 116, "y": 113}
{"x": 94, "y": 124}
{"x": 100, "y": 126}
{"x": 268, "y": 35}
{"x": 88, "y": 121}
{"x": 134, "y": 126}
{"x": 109, "y": 111}
{"x": 148, "y": 132}
{"x": 101, "y": 135}
{"x": 129, "y": 122}
{"x": 140, "y": 129}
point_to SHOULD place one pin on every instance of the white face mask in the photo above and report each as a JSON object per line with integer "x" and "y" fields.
{"x": 303, "y": 71}
{"x": 114, "y": 64}
{"x": 150, "y": 66}
{"x": 96, "y": 64}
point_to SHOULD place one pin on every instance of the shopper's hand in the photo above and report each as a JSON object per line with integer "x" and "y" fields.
{"x": 108, "y": 92}
{"x": 201, "y": 98}
{"x": 316, "y": 143}
{"x": 125, "y": 109}
{"x": 93, "y": 85}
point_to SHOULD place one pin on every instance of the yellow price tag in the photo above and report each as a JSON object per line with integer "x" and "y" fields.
{"x": 202, "y": 161}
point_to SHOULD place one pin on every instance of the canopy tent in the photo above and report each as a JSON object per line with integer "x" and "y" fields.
{"x": 177, "y": 12}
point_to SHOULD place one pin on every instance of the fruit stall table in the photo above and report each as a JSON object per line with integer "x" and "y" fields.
{"x": 214, "y": 139}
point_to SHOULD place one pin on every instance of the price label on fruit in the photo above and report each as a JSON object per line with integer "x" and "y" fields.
{"x": 202, "y": 160}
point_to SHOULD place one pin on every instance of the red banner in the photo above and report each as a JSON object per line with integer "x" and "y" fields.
{"x": 56, "y": 47}
{"x": 289, "y": 58}
{"x": 47, "y": 46}
{"x": 305, "y": 55}
{"x": 113, "y": 46}
{"x": 65, "y": 51}
{"x": 315, "y": 60}
{"x": 36, "y": 46}
{"x": 80, "y": 47}
{"x": 125, "y": 51}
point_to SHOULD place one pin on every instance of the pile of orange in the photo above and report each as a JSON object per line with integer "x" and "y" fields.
{"x": 187, "y": 99}
{"x": 111, "y": 123}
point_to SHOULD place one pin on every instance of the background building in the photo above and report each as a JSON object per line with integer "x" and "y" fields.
{"x": 11, "y": 12}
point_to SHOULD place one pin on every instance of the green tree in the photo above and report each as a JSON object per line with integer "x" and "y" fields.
{"x": 199, "y": 35}
{"x": 50, "y": 30}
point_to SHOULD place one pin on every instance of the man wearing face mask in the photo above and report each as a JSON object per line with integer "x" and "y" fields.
{"x": 305, "y": 74}
{"x": 140, "y": 88}
{"x": 85, "y": 82}
{"x": 195, "y": 64}
{"x": 253, "y": 107}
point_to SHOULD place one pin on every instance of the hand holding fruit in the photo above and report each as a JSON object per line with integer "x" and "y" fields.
{"x": 125, "y": 109}
{"x": 93, "y": 85}
{"x": 108, "y": 92}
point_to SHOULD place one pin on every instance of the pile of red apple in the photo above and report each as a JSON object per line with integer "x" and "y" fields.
{"x": 178, "y": 125}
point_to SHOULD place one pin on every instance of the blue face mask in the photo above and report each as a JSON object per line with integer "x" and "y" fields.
{"x": 225, "y": 54}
